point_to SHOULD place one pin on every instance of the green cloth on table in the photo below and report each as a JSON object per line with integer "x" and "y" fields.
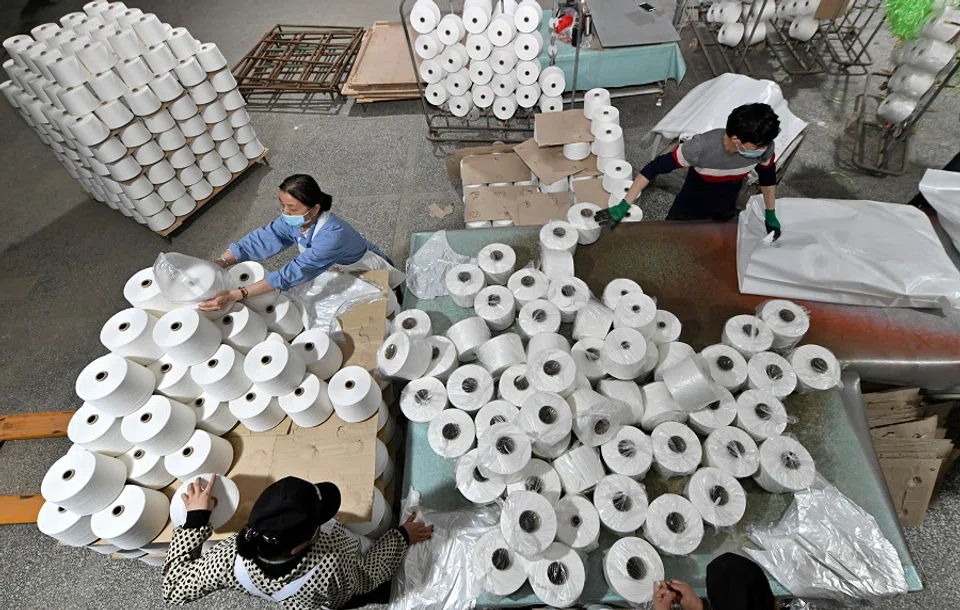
{"x": 615, "y": 67}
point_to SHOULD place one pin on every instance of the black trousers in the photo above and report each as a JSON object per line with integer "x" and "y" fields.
{"x": 700, "y": 199}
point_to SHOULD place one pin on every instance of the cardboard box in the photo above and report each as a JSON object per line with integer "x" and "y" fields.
{"x": 831, "y": 9}
{"x": 539, "y": 208}
{"x": 548, "y": 162}
{"x": 924, "y": 428}
{"x": 492, "y": 168}
{"x": 590, "y": 191}
{"x": 454, "y": 158}
{"x": 911, "y": 483}
{"x": 557, "y": 128}
{"x": 493, "y": 202}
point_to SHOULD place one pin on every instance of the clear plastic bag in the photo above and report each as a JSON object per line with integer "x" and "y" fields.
{"x": 189, "y": 280}
{"x": 825, "y": 547}
{"x": 942, "y": 191}
{"x": 427, "y": 269}
{"x": 331, "y": 295}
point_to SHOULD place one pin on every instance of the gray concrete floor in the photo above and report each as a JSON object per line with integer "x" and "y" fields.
{"x": 64, "y": 257}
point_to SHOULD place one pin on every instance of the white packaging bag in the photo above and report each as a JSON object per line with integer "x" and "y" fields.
{"x": 846, "y": 251}
{"x": 942, "y": 191}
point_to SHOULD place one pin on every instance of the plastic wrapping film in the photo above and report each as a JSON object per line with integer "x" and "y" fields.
{"x": 528, "y": 523}
{"x": 629, "y": 453}
{"x": 452, "y": 433}
{"x": 498, "y": 262}
{"x": 596, "y": 418}
{"x": 580, "y": 469}
{"x": 558, "y": 576}
{"x": 476, "y": 486}
{"x": 538, "y": 316}
{"x": 825, "y": 547}
{"x": 494, "y": 412}
{"x": 528, "y": 285}
{"x": 570, "y": 295}
{"x": 500, "y": 570}
{"x": 542, "y": 341}
{"x": 587, "y": 354}
{"x": 423, "y": 399}
{"x": 673, "y": 525}
{"x": 626, "y": 392}
{"x": 500, "y": 353}
{"x": 546, "y": 418}
{"x": 816, "y": 368}
{"x": 788, "y": 321}
{"x": 690, "y": 383}
{"x": 593, "y": 320}
{"x": 665, "y": 328}
{"x": 552, "y": 452}
{"x": 189, "y": 280}
{"x": 443, "y": 357}
{"x": 773, "y": 373}
{"x": 497, "y": 306}
{"x": 553, "y": 371}
{"x": 634, "y": 310}
{"x": 470, "y": 387}
{"x": 514, "y": 387}
{"x": 676, "y": 450}
{"x": 727, "y": 366}
{"x": 503, "y": 449}
{"x": 785, "y": 465}
{"x": 414, "y": 322}
{"x": 631, "y": 567}
{"x": 623, "y": 353}
{"x": 578, "y": 523}
{"x": 748, "y": 335}
{"x": 330, "y": 295}
{"x": 721, "y": 412}
{"x": 403, "y": 357}
{"x": 618, "y": 288}
{"x": 427, "y": 268}
{"x": 760, "y": 414}
{"x": 940, "y": 189}
{"x": 732, "y": 450}
{"x": 621, "y": 503}
{"x": 650, "y": 361}
{"x": 718, "y": 497}
{"x": 467, "y": 336}
{"x": 659, "y": 406}
{"x": 539, "y": 477}
{"x": 437, "y": 574}
{"x": 669, "y": 354}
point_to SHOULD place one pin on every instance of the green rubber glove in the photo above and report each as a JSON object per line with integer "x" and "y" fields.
{"x": 611, "y": 217}
{"x": 772, "y": 224}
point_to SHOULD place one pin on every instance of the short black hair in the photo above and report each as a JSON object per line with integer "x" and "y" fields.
{"x": 754, "y": 124}
{"x": 305, "y": 189}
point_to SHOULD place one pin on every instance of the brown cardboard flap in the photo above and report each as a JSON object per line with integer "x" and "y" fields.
{"x": 566, "y": 127}
{"x": 548, "y": 163}
{"x": 944, "y": 469}
{"x": 925, "y": 428}
{"x": 453, "y": 159}
{"x": 363, "y": 325}
{"x": 831, "y": 9}
{"x": 590, "y": 191}
{"x": 903, "y": 396}
{"x": 493, "y": 202}
{"x": 591, "y": 170}
{"x": 494, "y": 167}
{"x": 539, "y": 208}
{"x": 924, "y": 448}
{"x": 911, "y": 484}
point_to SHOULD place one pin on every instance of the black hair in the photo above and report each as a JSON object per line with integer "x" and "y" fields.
{"x": 305, "y": 189}
{"x": 754, "y": 124}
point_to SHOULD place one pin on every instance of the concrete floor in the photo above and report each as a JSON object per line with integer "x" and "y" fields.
{"x": 64, "y": 257}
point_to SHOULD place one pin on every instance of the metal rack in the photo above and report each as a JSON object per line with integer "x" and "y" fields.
{"x": 844, "y": 39}
{"x": 882, "y": 148}
{"x": 480, "y": 125}
{"x": 796, "y": 58}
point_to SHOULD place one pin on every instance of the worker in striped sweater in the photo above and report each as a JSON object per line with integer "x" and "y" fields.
{"x": 719, "y": 160}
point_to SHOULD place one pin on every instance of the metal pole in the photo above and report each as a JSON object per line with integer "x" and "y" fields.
{"x": 746, "y": 40}
{"x": 413, "y": 62}
{"x": 576, "y": 57}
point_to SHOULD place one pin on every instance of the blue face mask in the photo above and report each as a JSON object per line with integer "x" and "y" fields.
{"x": 294, "y": 221}
{"x": 750, "y": 154}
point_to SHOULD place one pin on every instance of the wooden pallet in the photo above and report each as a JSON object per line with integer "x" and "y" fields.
{"x": 381, "y": 71}
{"x": 181, "y": 219}
{"x": 24, "y": 508}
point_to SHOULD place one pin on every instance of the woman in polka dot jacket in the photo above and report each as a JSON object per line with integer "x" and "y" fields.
{"x": 290, "y": 552}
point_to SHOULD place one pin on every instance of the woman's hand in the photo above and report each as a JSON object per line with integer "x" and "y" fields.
{"x": 198, "y": 496}
{"x": 417, "y": 532}
{"x": 663, "y": 597}
{"x": 684, "y": 595}
{"x": 223, "y": 300}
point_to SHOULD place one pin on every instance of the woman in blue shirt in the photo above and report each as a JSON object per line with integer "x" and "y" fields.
{"x": 326, "y": 243}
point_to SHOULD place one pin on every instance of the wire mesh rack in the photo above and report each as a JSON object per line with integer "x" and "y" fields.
{"x": 306, "y": 59}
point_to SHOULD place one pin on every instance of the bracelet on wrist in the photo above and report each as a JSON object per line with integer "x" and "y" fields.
{"x": 243, "y": 293}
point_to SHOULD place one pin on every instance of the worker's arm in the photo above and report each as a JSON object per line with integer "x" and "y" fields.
{"x": 226, "y": 298}
{"x": 767, "y": 178}
{"x": 326, "y": 250}
{"x": 262, "y": 243}
{"x": 188, "y": 575}
{"x": 380, "y": 563}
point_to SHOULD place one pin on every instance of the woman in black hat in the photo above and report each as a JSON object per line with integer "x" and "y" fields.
{"x": 290, "y": 552}
{"x": 733, "y": 583}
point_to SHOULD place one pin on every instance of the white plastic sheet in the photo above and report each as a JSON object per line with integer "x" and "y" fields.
{"x": 850, "y": 252}
{"x": 329, "y": 295}
{"x": 942, "y": 191}
{"x": 709, "y": 104}
{"x": 427, "y": 268}
{"x": 825, "y": 547}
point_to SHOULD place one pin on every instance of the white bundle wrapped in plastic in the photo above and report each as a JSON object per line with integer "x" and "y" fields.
{"x": 631, "y": 567}
{"x": 514, "y": 387}
{"x": 785, "y": 465}
{"x": 727, "y": 366}
{"x": 718, "y": 497}
{"x": 621, "y": 503}
{"x": 788, "y": 321}
{"x": 816, "y": 368}
{"x": 587, "y": 353}
{"x": 553, "y": 371}
{"x": 721, "y": 412}
{"x": 559, "y": 576}
{"x": 670, "y": 354}
{"x": 578, "y": 523}
{"x": 470, "y": 387}
{"x": 580, "y": 469}
{"x": 476, "y": 486}
{"x": 618, "y": 288}
{"x": 673, "y": 525}
{"x": 732, "y": 450}
{"x": 423, "y": 399}
{"x": 451, "y": 434}
{"x": 690, "y": 383}
{"x": 499, "y": 569}
{"x": 676, "y": 450}
{"x": 403, "y": 357}
{"x": 539, "y": 477}
{"x": 772, "y": 373}
{"x": 528, "y": 523}
{"x": 747, "y": 334}
{"x": 623, "y": 353}
{"x": 596, "y": 418}
{"x": 497, "y": 306}
{"x": 626, "y": 392}
{"x": 659, "y": 407}
{"x": 629, "y": 453}
{"x": 760, "y": 414}
{"x": 503, "y": 449}
{"x": 546, "y": 418}
{"x": 494, "y": 412}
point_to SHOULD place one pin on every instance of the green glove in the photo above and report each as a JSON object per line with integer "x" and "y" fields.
{"x": 612, "y": 216}
{"x": 772, "y": 224}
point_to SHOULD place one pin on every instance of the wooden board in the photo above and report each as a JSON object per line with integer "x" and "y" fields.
{"x": 51, "y": 424}
{"x": 384, "y": 59}
{"x": 216, "y": 191}
{"x": 21, "y": 509}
